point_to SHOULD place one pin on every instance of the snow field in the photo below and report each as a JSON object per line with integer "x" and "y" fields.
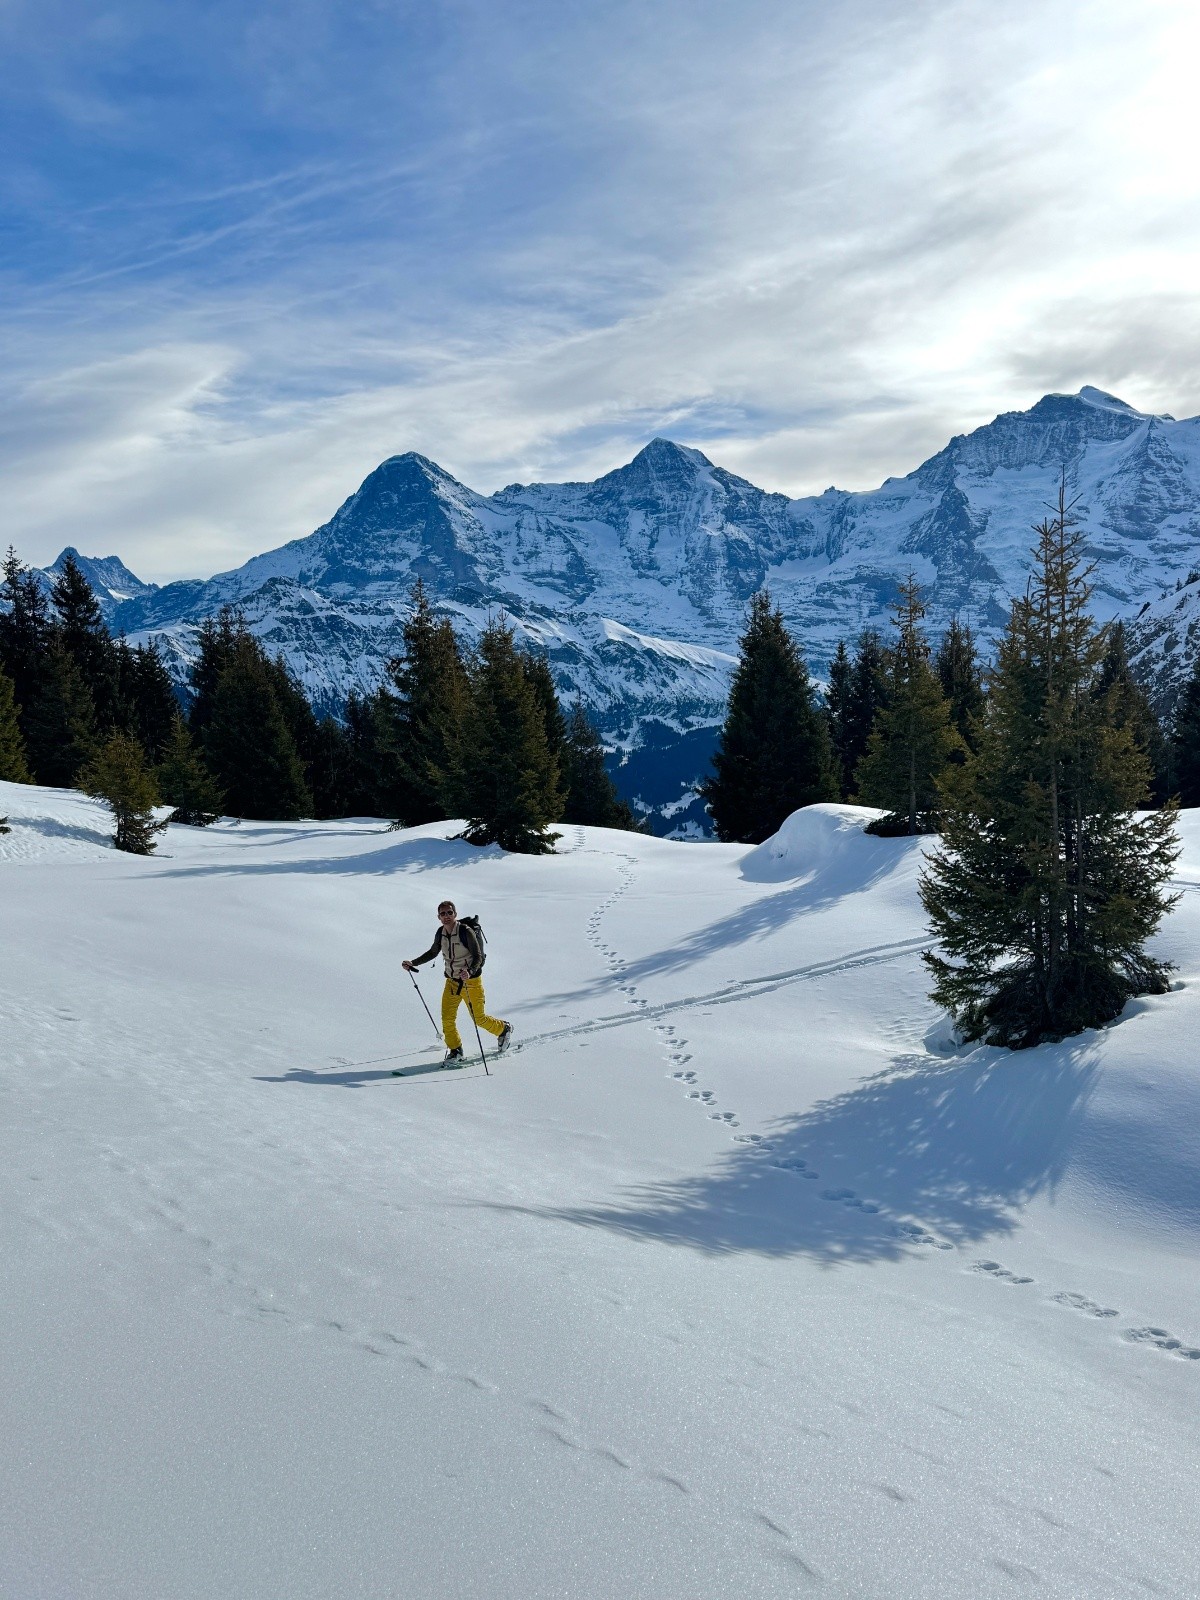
{"x": 736, "y": 1277}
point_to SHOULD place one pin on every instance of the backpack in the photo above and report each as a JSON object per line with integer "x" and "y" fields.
{"x": 480, "y": 936}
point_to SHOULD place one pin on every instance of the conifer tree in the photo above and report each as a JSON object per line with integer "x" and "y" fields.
{"x": 774, "y": 754}
{"x": 13, "y": 766}
{"x": 184, "y": 782}
{"x": 592, "y": 798}
{"x": 541, "y": 681}
{"x": 60, "y": 726}
{"x": 118, "y": 774}
{"x": 959, "y": 674}
{"x": 505, "y": 779}
{"x": 425, "y": 713}
{"x": 217, "y": 640}
{"x": 1185, "y": 739}
{"x": 913, "y": 739}
{"x": 866, "y": 695}
{"x": 1129, "y": 707}
{"x": 1047, "y": 886}
{"x": 80, "y": 630}
{"x": 837, "y": 705}
{"x": 247, "y": 744}
{"x": 24, "y": 629}
{"x": 147, "y": 704}
{"x": 367, "y": 726}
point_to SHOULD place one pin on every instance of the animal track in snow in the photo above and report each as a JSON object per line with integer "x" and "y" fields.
{"x": 1080, "y": 1302}
{"x": 1160, "y": 1339}
{"x": 993, "y": 1269}
{"x": 918, "y": 1235}
{"x": 852, "y": 1201}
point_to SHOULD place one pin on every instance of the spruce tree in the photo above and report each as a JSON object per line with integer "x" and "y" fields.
{"x": 80, "y": 630}
{"x": 146, "y": 697}
{"x": 119, "y": 775}
{"x": 60, "y": 725}
{"x": 217, "y": 640}
{"x": 959, "y": 674}
{"x": 505, "y": 779}
{"x": 837, "y": 705}
{"x": 424, "y": 715}
{"x": 591, "y": 798}
{"x": 773, "y": 755}
{"x": 866, "y": 695}
{"x": 13, "y": 766}
{"x": 1047, "y": 886}
{"x": 184, "y": 782}
{"x": 913, "y": 739}
{"x": 368, "y": 736}
{"x": 1129, "y": 707}
{"x": 25, "y": 630}
{"x": 1185, "y": 739}
{"x": 247, "y": 744}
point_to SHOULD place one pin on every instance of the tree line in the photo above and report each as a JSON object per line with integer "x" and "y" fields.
{"x": 1047, "y": 883}
{"x": 449, "y": 732}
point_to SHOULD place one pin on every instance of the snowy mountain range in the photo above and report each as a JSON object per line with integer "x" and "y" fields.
{"x": 636, "y": 584}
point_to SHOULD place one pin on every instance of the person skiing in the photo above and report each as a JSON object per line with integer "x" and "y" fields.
{"x": 462, "y": 956}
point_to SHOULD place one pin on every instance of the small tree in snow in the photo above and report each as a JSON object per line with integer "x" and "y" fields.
{"x": 118, "y": 775}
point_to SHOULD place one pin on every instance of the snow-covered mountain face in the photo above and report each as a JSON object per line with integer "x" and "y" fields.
{"x": 637, "y": 584}
{"x": 112, "y": 582}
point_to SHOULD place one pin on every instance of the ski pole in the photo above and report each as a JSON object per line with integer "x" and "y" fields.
{"x": 421, "y": 998}
{"x": 482, "y": 1057}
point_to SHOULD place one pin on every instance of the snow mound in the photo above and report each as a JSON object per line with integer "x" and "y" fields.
{"x": 825, "y": 842}
{"x": 47, "y": 824}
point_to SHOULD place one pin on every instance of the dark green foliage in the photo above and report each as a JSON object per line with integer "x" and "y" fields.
{"x": 505, "y": 778}
{"x": 60, "y": 725}
{"x": 184, "y": 782}
{"x": 866, "y": 695}
{"x": 1047, "y": 886}
{"x": 24, "y": 629}
{"x": 1185, "y": 740}
{"x": 147, "y": 704}
{"x": 837, "y": 706}
{"x": 1128, "y": 706}
{"x": 217, "y": 640}
{"x": 541, "y": 681}
{"x": 592, "y": 798}
{"x": 774, "y": 754}
{"x": 118, "y": 774}
{"x": 332, "y": 772}
{"x": 80, "y": 631}
{"x": 424, "y": 712}
{"x": 367, "y": 728}
{"x": 913, "y": 739}
{"x": 13, "y": 766}
{"x": 961, "y": 678}
{"x": 247, "y": 744}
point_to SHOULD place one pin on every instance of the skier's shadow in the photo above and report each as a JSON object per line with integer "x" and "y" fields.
{"x": 358, "y": 1079}
{"x": 950, "y": 1149}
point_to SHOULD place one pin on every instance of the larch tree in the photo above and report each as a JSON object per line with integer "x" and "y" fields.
{"x": 1048, "y": 885}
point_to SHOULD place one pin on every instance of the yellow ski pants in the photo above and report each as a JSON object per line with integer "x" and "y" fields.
{"x": 470, "y": 990}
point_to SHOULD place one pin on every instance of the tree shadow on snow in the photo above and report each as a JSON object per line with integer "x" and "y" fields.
{"x": 929, "y": 1153}
{"x": 48, "y": 828}
{"x": 408, "y": 855}
{"x": 757, "y": 920}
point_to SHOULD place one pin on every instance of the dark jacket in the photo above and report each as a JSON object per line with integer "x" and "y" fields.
{"x": 456, "y": 949}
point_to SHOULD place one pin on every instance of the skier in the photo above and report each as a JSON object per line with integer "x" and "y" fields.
{"x": 460, "y": 951}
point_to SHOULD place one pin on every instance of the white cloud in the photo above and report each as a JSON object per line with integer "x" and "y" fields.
{"x": 815, "y": 246}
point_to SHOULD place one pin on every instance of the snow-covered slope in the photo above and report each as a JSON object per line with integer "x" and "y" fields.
{"x": 737, "y": 1278}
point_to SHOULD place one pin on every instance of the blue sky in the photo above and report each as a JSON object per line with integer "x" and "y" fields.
{"x": 247, "y": 251}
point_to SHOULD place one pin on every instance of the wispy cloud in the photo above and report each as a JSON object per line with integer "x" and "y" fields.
{"x": 240, "y": 269}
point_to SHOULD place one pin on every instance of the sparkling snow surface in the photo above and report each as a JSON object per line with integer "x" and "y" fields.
{"x": 737, "y": 1278}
